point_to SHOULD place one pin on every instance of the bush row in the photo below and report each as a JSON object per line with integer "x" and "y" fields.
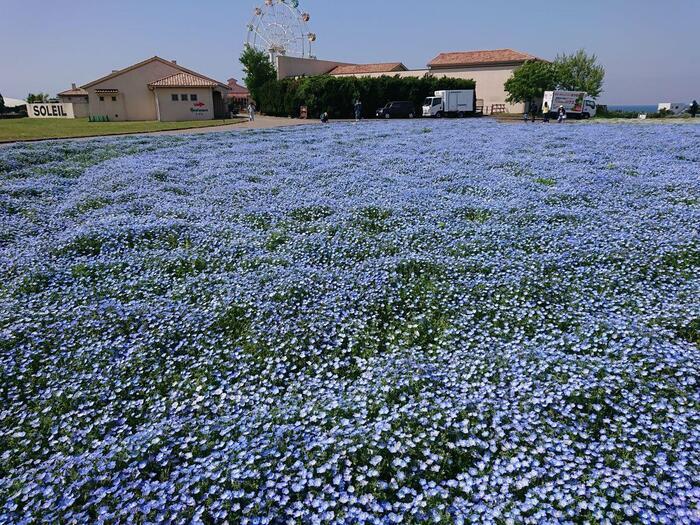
{"x": 336, "y": 95}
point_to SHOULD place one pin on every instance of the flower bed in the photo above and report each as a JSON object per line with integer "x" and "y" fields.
{"x": 454, "y": 322}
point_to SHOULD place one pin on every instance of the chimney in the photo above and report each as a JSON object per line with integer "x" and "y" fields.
{"x": 73, "y": 86}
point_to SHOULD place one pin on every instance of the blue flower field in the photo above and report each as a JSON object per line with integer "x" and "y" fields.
{"x": 393, "y": 322}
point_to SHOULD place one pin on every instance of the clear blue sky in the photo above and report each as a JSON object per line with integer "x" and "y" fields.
{"x": 650, "y": 48}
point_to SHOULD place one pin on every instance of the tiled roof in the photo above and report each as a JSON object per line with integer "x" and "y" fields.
{"x": 478, "y": 58}
{"x": 236, "y": 88}
{"x": 358, "y": 69}
{"x": 172, "y": 64}
{"x": 73, "y": 93}
{"x": 184, "y": 80}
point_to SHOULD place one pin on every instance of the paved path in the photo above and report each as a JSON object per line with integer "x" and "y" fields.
{"x": 261, "y": 122}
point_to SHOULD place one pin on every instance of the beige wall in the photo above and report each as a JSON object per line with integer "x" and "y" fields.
{"x": 135, "y": 100}
{"x": 490, "y": 83}
{"x": 81, "y": 108}
{"x": 171, "y": 111}
{"x": 297, "y": 67}
{"x": 109, "y": 105}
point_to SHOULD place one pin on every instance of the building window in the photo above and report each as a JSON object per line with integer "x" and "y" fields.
{"x": 114, "y": 99}
{"x": 102, "y": 99}
{"x": 175, "y": 98}
{"x": 183, "y": 98}
{"x": 193, "y": 98}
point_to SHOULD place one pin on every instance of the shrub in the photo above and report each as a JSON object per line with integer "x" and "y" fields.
{"x": 606, "y": 113}
{"x": 336, "y": 95}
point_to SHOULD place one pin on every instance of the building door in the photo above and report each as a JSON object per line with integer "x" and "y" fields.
{"x": 219, "y": 105}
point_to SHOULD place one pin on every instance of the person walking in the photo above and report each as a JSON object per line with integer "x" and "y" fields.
{"x": 251, "y": 112}
{"x": 358, "y": 110}
{"x": 545, "y": 113}
{"x": 562, "y": 115}
{"x": 533, "y": 110}
{"x": 694, "y": 108}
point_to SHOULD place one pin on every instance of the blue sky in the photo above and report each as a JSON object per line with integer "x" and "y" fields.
{"x": 650, "y": 48}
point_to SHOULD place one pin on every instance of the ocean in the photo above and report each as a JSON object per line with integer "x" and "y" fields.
{"x": 640, "y": 108}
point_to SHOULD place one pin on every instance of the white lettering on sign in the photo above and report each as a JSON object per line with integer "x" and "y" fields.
{"x": 50, "y": 110}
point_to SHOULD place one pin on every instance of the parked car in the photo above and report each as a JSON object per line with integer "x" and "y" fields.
{"x": 401, "y": 109}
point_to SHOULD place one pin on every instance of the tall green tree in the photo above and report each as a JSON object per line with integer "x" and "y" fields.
{"x": 2, "y": 104}
{"x": 258, "y": 71}
{"x": 580, "y": 71}
{"x": 530, "y": 81}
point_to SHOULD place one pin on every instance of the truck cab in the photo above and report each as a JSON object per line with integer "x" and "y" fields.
{"x": 433, "y": 107}
{"x": 589, "y": 108}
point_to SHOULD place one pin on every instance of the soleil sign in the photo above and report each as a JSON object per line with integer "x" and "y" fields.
{"x": 50, "y": 110}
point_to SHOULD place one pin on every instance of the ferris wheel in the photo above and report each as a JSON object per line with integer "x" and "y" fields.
{"x": 279, "y": 28}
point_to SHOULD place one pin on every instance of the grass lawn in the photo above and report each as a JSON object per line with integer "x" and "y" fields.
{"x": 30, "y": 129}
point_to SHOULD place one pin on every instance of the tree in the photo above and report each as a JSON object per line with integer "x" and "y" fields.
{"x": 530, "y": 81}
{"x": 39, "y": 98}
{"x": 580, "y": 72}
{"x": 2, "y": 104}
{"x": 258, "y": 71}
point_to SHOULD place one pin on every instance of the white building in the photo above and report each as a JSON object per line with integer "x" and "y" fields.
{"x": 79, "y": 98}
{"x": 489, "y": 69}
{"x": 674, "y": 107}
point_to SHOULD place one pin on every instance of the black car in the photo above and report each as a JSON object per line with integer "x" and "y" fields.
{"x": 402, "y": 109}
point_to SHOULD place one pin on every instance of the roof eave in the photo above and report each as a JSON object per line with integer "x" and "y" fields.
{"x": 115, "y": 74}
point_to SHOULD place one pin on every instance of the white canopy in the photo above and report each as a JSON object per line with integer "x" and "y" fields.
{"x": 13, "y": 102}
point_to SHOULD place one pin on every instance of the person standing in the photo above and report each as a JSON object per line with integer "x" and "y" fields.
{"x": 694, "y": 108}
{"x": 545, "y": 113}
{"x": 358, "y": 110}
{"x": 251, "y": 112}
{"x": 562, "y": 115}
{"x": 533, "y": 110}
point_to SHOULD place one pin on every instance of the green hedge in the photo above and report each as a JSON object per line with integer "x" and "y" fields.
{"x": 336, "y": 95}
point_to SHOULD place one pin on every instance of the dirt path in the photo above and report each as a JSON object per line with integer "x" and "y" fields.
{"x": 261, "y": 122}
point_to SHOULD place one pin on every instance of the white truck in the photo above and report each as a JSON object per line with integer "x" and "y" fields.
{"x": 576, "y": 103}
{"x": 455, "y": 103}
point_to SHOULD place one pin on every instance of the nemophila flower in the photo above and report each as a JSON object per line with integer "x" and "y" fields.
{"x": 352, "y": 324}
